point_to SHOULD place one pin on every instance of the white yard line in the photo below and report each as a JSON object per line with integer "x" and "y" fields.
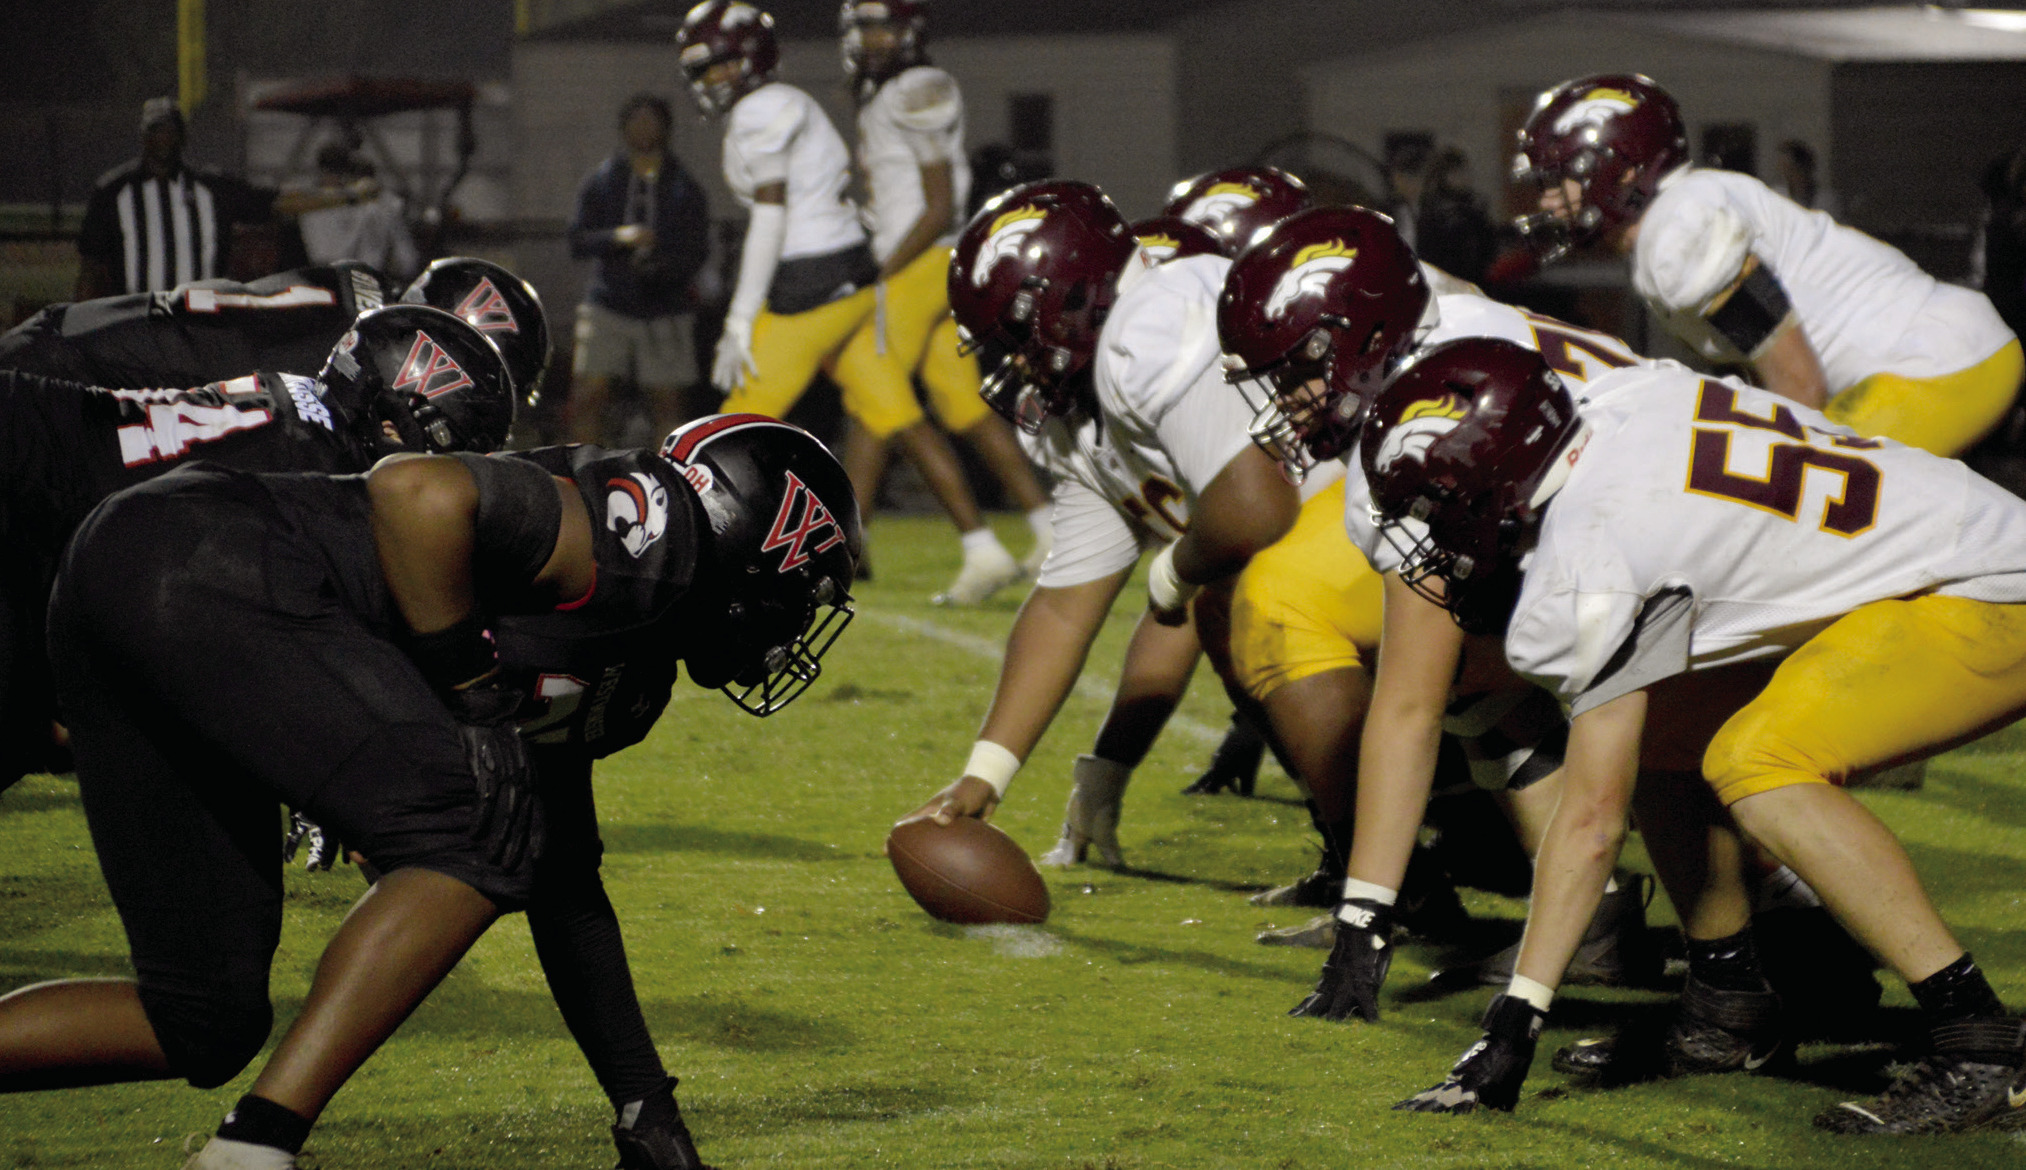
{"x": 1086, "y": 687}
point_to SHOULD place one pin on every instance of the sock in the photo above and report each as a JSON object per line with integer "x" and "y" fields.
{"x": 979, "y": 541}
{"x": 1371, "y": 892}
{"x": 1611, "y": 884}
{"x": 1958, "y": 991}
{"x": 1540, "y": 995}
{"x": 655, "y": 1111}
{"x": 261, "y": 1122}
{"x": 1727, "y": 964}
{"x": 1038, "y": 519}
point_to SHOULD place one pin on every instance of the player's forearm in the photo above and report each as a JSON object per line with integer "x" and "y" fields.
{"x": 1789, "y": 367}
{"x": 1247, "y": 507}
{"x": 761, "y": 253}
{"x": 1584, "y": 837}
{"x": 1419, "y": 650}
{"x": 935, "y": 221}
{"x": 1044, "y": 655}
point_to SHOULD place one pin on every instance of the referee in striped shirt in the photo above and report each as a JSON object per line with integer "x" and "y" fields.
{"x": 157, "y": 222}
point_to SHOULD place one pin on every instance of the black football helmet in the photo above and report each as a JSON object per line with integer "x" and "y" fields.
{"x": 1464, "y": 448}
{"x": 773, "y": 587}
{"x": 498, "y": 304}
{"x": 717, "y": 31}
{"x": 436, "y": 380}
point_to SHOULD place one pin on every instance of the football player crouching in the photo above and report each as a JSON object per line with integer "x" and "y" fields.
{"x": 406, "y": 377}
{"x": 1674, "y": 525}
{"x": 364, "y": 647}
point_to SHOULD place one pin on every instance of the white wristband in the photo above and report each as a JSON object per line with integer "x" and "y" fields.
{"x": 1165, "y": 587}
{"x": 992, "y": 764}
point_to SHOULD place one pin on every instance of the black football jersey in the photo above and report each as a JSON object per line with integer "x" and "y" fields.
{"x": 598, "y": 672}
{"x": 71, "y": 445}
{"x": 198, "y": 333}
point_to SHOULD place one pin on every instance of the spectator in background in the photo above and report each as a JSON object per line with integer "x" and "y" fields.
{"x": 157, "y": 222}
{"x": 645, "y": 222}
{"x": 1796, "y": 179}
{"x": 1455, "y": 230}
{"x": 368, "y": 227}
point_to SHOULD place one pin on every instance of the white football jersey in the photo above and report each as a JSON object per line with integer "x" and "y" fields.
{"x": 1170, "y": 423}
{"x": 779, "y": 134}
{"x": 1577, "y": 354}
{"x": 1865, "y": 307}
{"x": 916, "y": 119}
{"x": 1719, "y": 523}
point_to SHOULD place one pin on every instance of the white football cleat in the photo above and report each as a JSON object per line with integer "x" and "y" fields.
{"x": 1092, "y": 819}
{"x": 225, "y": 1154}
{"x": 984, "y": 573}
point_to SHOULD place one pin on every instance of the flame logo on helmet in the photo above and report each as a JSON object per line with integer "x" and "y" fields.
{"x": 1160, "y": 245}
{"x": 636, "y": 508}
{"x": 1313, "y": 269}
{"x": 1417, "y": 429}
{"x": 1219, "y": 201}
{"x": 1009, "y": 231}
{"x": 1596, "y": 108}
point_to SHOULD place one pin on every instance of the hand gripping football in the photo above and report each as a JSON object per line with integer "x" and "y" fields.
{"x": 967, "y": 872}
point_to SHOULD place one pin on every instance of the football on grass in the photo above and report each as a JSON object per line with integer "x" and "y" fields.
{"x": 967, "y": 872}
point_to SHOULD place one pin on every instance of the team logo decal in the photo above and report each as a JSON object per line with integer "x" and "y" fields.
{"x": 429, "y": 369}
{"x": 793, "y": 535}
{"x": 739, "y": 14}
{"x": 1419, "y": 426}
{"x": 1160, "y": 246}
{"x": 1596, "y": 108}
{"x": 1009, "y": 231}
{"x": 1219, "y": 201}
{"x": 637, "y": 509}
{"x": 1313, "y": 268}
{"x": 486, "y": 311}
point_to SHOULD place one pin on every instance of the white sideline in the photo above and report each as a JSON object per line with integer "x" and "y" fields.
{"x": 985, "y": 648}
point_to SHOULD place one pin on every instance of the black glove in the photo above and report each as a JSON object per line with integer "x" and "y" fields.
{"x": 324, "y": 850}
{"x": 509, "y": 820}
{"x": 1492, "y": 1071}
{"x": 1356, "y": 968}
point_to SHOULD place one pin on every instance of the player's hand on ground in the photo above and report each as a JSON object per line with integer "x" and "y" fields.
{"x": 1357, "y": 966}
{"x": 509, "y": 820}
{"x": 1491, "y": 1072}
{"x": 734, "y": 362}
{"x": 968, "y": 797}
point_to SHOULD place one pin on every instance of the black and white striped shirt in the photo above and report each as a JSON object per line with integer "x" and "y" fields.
{"x": 158, "y": 233}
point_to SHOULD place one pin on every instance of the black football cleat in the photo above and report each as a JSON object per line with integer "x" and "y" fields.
{"x": 660, "y": 1144}
{"x": 1974, "y": 1078}
{"x": 1615, "y": 951}
{"x": 1713, "y": 1031}
{"x": 1234, "y": 767}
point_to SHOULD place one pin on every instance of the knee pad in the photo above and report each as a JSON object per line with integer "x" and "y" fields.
{"x": 209, "y": 1032}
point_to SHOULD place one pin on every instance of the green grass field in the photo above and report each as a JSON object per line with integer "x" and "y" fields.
{"x": 818, "y": 1019}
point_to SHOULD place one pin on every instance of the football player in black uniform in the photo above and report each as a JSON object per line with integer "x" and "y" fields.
{"x": 216, "y": 329}
{"x": 404, "y": 377}
{"x": 360, "y": 646}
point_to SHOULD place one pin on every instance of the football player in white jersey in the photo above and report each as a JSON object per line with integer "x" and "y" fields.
{"x": 1113, "y": 372}
{"x": 1823, "y": 313}
{"x": 911, "y": 152}
{"x": 1678, "y": 525}
{"x": 806, "y": 275}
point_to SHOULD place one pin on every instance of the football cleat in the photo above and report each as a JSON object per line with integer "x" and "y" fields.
{"x": 226, "y": 1154}
{"x": 1321, "y": 888}
{"x": 1713, "y": 1031}
{"x": 983, "y": 574}
{"x": 1235, "y": 765}
{"x": 1092, "y": 818}
{"x": 1319, "y": 933}
{"x": 1975, "y": 1078}
{"x": 1615, "y": 951}
{"x": 1491, "y": 1072}
{"x": 1361, "y": 955}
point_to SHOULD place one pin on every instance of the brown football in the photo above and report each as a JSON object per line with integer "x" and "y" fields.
{"x": 967, "y": 872}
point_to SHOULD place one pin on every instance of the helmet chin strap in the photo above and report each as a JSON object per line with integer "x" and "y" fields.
{"x": 1560, "y": 467}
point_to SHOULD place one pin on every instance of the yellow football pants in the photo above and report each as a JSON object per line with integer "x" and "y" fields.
{"x": 1887, "y": 682}
{"x": 922, "y": 337}
{"x": 787, "y": 352}
{"x": 1943, "y": 415}
{"x": 1310, "y": 603}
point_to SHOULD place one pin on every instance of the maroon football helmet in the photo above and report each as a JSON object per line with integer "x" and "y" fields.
{"x": 1034, "y": 273}
{"x": 1616, "y": 135}
{"x": 1330, "y": 295}
{"x": 716, "y": 31}
{"x": 1236, "y": 205}
{"x": 1463, "y": 449}
{"x": 909, "y": 20}
{"x": 1167, "y": 237}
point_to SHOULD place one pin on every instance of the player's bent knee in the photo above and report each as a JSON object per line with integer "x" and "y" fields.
{"x": 1744, "y": 759}
{"x": 209, "y": 1033}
